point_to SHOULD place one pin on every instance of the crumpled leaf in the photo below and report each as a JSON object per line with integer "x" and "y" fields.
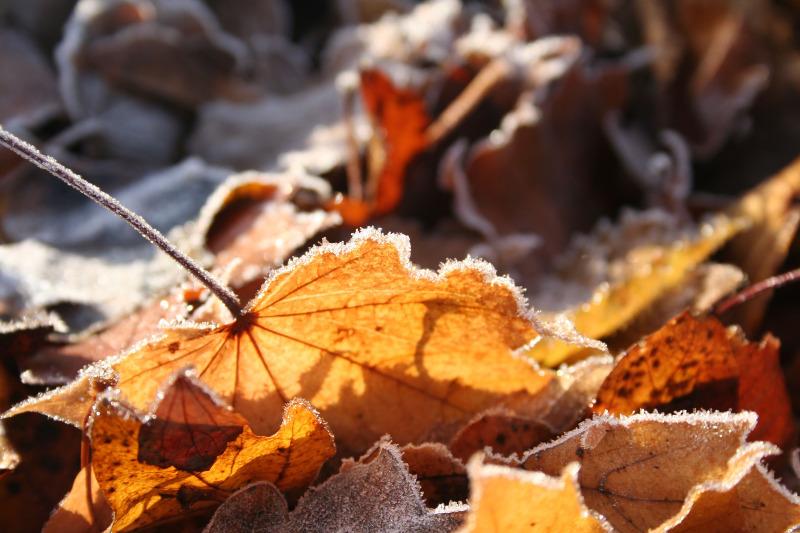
{"x": 510, "y": 499}
{"x": 643, "y": 272}
{"x": 375, "y": 495}
{"x": 747, "y": 498}
{"x": 620, "y": 457}
{"x": 376, "y": 345}
{"x": 695, "y": 363}
{"x": 195, "y": 452}
{"x": 528, "y": 150}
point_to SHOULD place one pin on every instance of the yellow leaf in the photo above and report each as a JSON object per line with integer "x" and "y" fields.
{"x": 508, "y": 500}
{"x": 657, "y": 269}
{"x": 375, "y": 344}
{"x": 134, "y": 459}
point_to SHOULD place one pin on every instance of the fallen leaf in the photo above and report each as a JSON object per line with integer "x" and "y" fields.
{"x": 761, "y": 250}
{"x": 375, "y": 344}
{"x": 156, "y": 469}
{"x": 400, "y": 120}
{"x": 747, "y": 498}
{"x": 649, "y": 271}
{"x": 178, "y": 54}
{"x": 376, "y": 495}
{"x": 250, "y": 223}
{"x": 501, "y": 431}
{"x": 255, "y": 221}
{"x": 60, "y": 360}
{"x": 553, "y": 137}
{"x": 509, "y": 499}
{"x": 441, "y": 477}
{"x": 696, "y": 362}
{"x": 619, "y": 457}
{"x": 700, "y": 290}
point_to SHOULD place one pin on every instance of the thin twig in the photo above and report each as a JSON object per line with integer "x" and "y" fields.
{"x": 748, "y": 293}
{"x": 147, "y": 231}
{"x": 468, "y": 99}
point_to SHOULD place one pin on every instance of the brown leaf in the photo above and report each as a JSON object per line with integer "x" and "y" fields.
{"x": 501, "y": 431}
{"x": 507, "y": 499}
{"x": 177, "y": 54}
{"x": 378, "y": 495}
{"x": 557, "y": 409}
{"x": 547, "y": 150}
{"x": 59, "y": 362}
{"x": 697, "y": 362}
{"x": 442, "y": 477}
{"x": 378, "y": 346}
{"x": 620, "y": 457}
{"x": 189, "y": 429}
{"x": 141, "y": 493}
{"x": 255, "y": 221}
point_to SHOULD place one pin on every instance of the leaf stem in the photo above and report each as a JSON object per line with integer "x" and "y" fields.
{"x": 750, "y": 292}
{"x": 47, "y": 163}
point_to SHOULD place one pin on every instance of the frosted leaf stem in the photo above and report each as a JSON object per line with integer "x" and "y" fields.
{"x": 48, "y": 164}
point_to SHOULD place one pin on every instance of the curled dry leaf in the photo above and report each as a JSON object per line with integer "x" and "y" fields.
{"x": 174, "y": 51}
{"x": 747, "y": 498}
{"x": 652, "y": 270}
{"x": 375, "y": 344}
{"x": 507, "y": 499}
{"x": 399, "y": 120}
{"x": 195, "y": 452}
{"x": 695, "y": 363}
{"x": 619, "y": 458}
{"x": 370, "y": 495}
